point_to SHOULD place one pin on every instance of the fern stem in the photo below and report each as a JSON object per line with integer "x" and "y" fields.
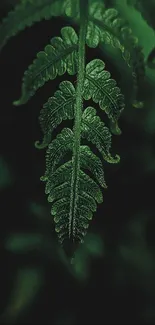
{"x": 78, "y": 115}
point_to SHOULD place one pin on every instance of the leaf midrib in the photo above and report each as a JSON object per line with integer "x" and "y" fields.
{"x": 103, "y": 91}
{"x": 98, "y": 134}
{"x": 57, "y": 58}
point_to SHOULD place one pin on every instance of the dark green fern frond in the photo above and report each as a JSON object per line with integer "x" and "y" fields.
{"x": 25, "y": 14}
{"x": 59, "y": 186}
{"x": 72, "y": 11}
{"x": 91, "y": 162}
{"x": 88, "y": 194}
{"x": 103, "y": 90}
{"x": 72, "y": 223}
{"x": 98, "y": 85}
{"x": 63, "y": 174}
{"x": 74, "y": 194}
{"x": 115, "y": 31}
{"x": 95, "y": 131}
{"x": 58, "y": 148}
{"x": 106, "y": 26}
{"x": 94, "y": 33}
{"x": 58, "y": 108}
{"x": 28, "y": 12}
{"x": 58, "y": 57}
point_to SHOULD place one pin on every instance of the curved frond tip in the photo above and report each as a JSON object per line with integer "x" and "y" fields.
{"x": 25, "y": 14}
{"x": 58, "y": 57}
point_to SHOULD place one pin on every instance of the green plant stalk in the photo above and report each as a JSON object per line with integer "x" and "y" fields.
{"x": 78, "y": 117}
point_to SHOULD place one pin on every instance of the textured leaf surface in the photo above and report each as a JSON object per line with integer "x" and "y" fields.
{"x": 58, "y": 57}
{"x": 72, "y": 223}
{"x": 60, "y": 189}
{"x": 96, "y": 11}
{"x": 73, "y": 203}
{"x": 58, "y": 108}
{"x": 113, "y": 30}
{"x": 92, "y": 163}
{"x": 95, "y": 131}
{"x": 25, "y": 14}
{"x": 96, "y": 8}
{"x": 107, "y": 26}
{"x": 71, "y": 8}
{"x": 102, "y": 89}
{"x": 28, "y": 12}
{"x": 58, "y": 148}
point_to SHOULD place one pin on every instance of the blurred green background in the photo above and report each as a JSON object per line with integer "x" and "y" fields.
{"x": 112, "y": 278}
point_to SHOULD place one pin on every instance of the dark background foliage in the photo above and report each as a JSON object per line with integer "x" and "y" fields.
{"x": 113, "y": 280}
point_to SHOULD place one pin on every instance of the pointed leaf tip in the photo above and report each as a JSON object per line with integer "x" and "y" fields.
{"x": 57, "y": 58}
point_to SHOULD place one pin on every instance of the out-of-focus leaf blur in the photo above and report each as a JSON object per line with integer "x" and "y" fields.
{"x": 146, "y": 8}
{"x": 25, "y": 288}
{"x": 91, "y": 248}
{"x": 23, "y": 243}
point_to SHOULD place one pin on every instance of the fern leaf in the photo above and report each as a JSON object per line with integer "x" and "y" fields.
{"x": 58, "y": 148}
{"x": 58, "y": 108}
{"x": 72, "y": 10}
{"x": 72, "y": 223}
{"x": 25, "y": 14}
{"x": 107, "y": 26}
{"x": 64, "y": 143}
{"x": 112, "y": 29}
{"x": 93, "y": 37}
{"x": 93, "y": 31}
{"x": 102, "y": 89}
{"x": 94, "y": 130}
{"x": 63, "y": 174}
{"x": 115, "y": 30}
{"x": 97, "y": 86}
{"x": 58, "y": 57}
{"x": 59, "y": 189}
{"x": 92, "y": 163}
{"x": 59, "y": 186}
